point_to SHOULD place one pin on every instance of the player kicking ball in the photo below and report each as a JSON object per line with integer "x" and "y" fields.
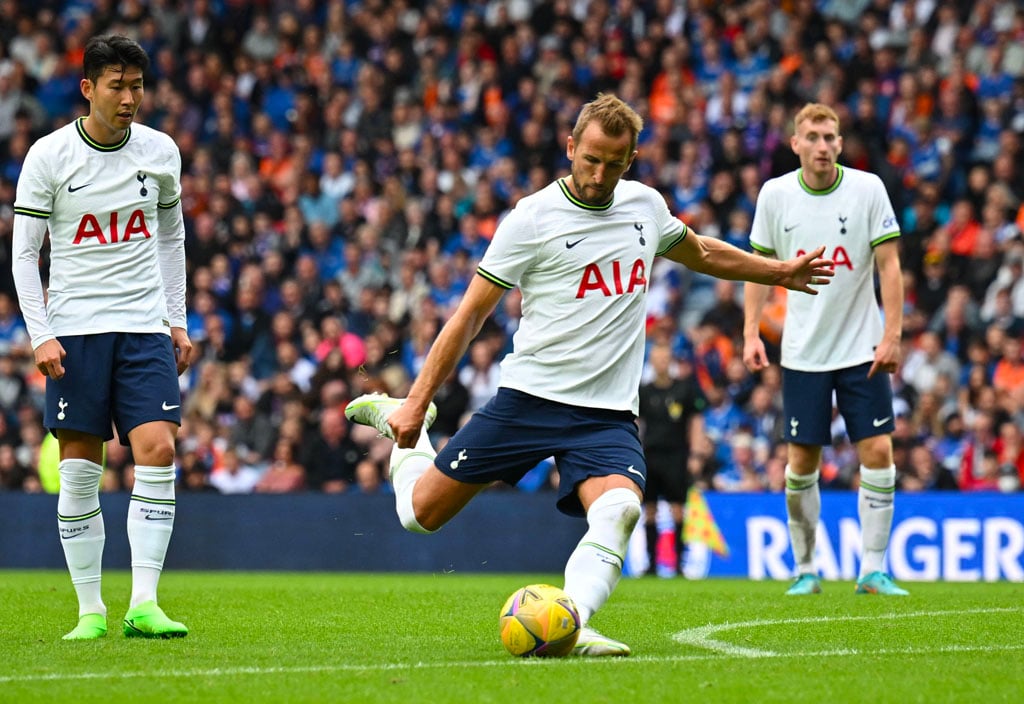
{"x": 581, "y": 251}
{"x": 110, "y": 337}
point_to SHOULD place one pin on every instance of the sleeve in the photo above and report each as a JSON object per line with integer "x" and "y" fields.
{"x": 33, "y": 205}
{"x": 29, "y": 232}
{"x": 671, "y": 230}
{"x": 761, "y": 230}
{"x": 885, "y": 227}
{"x": 171, "y": 242}
{"x": 512, "y": 249}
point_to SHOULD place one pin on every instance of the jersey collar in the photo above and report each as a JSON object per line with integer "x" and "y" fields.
{"x": 823, "y": 191}
{"x": 80, "y": 126}
{"x": 580, "y": 204}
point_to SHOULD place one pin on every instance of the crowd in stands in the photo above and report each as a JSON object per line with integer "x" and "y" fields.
{"x": 345, "y": 163}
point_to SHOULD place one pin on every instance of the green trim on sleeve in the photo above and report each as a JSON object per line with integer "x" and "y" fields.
{"x": 494, "y": 279}
{"x": 32, "y": 212}
{"x": 167, "y": 206}
{"x": 762, "y": 250}
{"x": 885, "y": 238}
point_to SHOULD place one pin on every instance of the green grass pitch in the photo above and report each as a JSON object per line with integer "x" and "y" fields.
{"x": 260, "y": 637}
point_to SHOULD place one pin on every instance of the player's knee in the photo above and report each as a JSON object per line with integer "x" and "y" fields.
{"x": 412, "y": 523}
{"x": 619, "y": 507}
{"x": 79, "y": 477}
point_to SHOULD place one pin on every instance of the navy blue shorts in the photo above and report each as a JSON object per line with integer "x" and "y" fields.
{"x": 117, "y": 377}
{"x": 865, "y": 404}
{"x": 514, "y": 431}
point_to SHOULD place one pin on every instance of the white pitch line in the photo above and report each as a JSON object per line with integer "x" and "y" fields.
{"x": 504, "y": 662}
{"x": 719, "y": 654}
{"x": 702, "y": 636}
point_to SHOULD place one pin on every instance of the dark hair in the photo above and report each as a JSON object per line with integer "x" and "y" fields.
{"x": 112, "y": 50}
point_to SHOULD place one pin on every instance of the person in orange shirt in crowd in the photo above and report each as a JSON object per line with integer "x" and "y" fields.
{"x": 1009, "y": 371}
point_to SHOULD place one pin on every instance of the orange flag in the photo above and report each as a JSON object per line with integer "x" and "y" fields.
{"x": 699, "y": 525}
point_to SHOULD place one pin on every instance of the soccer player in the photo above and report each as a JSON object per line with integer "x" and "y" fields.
{"x": 110, "y": 335}
{"x": 834, "y": 343}
{"x": 581, "y": 250}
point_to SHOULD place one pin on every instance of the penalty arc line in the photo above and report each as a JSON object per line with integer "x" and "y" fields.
{"x": 702, "y": 636}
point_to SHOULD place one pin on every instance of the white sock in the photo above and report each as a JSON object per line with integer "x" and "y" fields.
{"x": 875, "y": 506}
{"x": 595, "y": 565}
{"x": 150, "y": 523}
{"x": 803, "y": 507}
{"x": 406, "y": 466}
{"x": 80, "y": 524}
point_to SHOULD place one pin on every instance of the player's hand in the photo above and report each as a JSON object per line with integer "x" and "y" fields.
{"x": 754, "y": 356}
{"x": 809, "y": 270}
{"x": 50, "y": 359}
{"x": 887, "y": 358}
{"x": 406, "y": 423}
{"x": 182, "y": 349}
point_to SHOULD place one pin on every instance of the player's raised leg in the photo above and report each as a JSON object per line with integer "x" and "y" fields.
{"x": 406, "y": 465}
{"x": 613, "y": 507}
{"x": 80, "y": 524}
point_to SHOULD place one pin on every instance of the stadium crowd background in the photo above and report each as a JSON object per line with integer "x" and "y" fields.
{"x": 345, "y": 164}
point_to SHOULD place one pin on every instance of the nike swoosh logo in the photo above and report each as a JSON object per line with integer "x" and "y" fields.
{"x": 879, "y": 423}
{"x": 570, "y": 245}
{"x": 72, "y": 189}
{"x": 169, "y": 408}
{"x": 791, "y": 227}
{"x": 637, "y": 472}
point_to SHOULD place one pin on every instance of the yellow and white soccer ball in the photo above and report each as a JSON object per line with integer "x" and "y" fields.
{"x": 539, "y": 620}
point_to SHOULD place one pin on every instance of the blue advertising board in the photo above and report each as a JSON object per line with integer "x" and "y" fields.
{"x": 935, "y": 536}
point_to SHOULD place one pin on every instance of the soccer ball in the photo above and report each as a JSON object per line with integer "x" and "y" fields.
{"x": 539, "y": 620}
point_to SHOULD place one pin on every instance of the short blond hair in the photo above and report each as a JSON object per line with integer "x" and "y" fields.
{"x": 613, "y": 115}
{"x": 816, "y": 112}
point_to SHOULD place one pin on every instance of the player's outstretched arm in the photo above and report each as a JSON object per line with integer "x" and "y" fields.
{"x": 717, "y": 258}
{"x": 452, "y": 342}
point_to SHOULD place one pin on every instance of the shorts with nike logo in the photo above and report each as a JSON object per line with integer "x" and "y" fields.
{"x": 515, "y": 431}
{"x": 865, "y": 404}
{"x": 116, "y": 377}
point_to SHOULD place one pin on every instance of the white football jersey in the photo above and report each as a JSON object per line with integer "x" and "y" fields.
{"x": 116, "y": 234}
{"x": 841, "y": 326}
{"x": 584, "y": 272}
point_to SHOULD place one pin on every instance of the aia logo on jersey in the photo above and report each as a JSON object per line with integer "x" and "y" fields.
{"x": 614, "y": 281}
{"x": 89, "y": 228}
{"x": 839, "y": 256}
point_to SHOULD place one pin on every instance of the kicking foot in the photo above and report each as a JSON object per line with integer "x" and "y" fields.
{"x": 373, "y": 410}
{"x": 594, "y": 645}
{"x": 90, "y": 627}
{"x": 805, "y": 584}
{"x": 147, "y": 620}
{"x": 879, "y": 583}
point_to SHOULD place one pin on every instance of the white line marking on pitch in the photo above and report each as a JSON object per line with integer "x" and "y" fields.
{"x": 722, "y": 651}
{"x": 702, "y": 636}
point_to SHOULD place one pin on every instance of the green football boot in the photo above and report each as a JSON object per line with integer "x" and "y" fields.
{"x": 147, "y": 620}
{"x": 90, "y": 627}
